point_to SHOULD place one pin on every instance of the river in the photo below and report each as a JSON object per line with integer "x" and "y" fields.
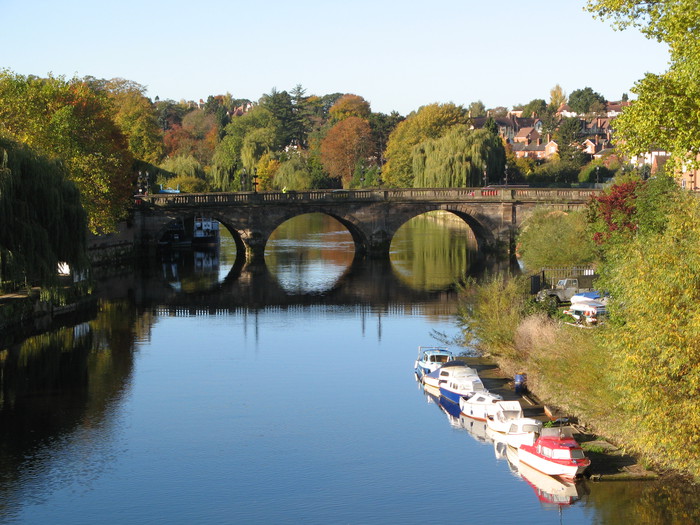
{"x": 206, "y": 392}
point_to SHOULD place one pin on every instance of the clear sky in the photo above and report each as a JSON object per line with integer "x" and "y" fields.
{"x": 398, "y": 55}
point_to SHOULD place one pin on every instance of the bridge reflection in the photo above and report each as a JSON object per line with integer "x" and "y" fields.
{"x": 370, "y": 284}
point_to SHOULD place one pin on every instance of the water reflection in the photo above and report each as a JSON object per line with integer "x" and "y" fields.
{"x": 58, "y": 391}
{"x": 433, "y": 251}
{"x": 309, "y": 253}
{"x": 191, "y": 270}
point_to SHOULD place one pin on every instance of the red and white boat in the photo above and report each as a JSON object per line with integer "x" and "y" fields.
{"x": 556, "y": 453}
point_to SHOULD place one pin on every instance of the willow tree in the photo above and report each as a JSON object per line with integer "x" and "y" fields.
{"x": 429, "y": 122}
{"x": 462, "y": 158}
{"x": 42, "y": 221}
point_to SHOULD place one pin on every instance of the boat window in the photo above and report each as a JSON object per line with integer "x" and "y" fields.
{"x": 530, "y": 428}
{"x": 561, "y": 453}
{"x": 546, "y": 451}
{"x": 444, "y": 373}
{"x": 577, "y": 453}
{"x": 513, "y": 429}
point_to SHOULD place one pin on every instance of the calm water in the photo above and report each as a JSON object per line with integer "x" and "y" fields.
{"x": 207, "y": 393}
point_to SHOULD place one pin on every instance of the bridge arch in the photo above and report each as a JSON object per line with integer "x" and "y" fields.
{"x": 371, "y": 216}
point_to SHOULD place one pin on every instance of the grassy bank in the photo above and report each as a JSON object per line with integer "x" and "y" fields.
{"x": 567, "y": 366}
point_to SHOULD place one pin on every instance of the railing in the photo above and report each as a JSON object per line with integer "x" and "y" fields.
{"x": 371, "y": 195}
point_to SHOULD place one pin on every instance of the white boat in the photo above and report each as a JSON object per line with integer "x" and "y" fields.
{"x": 523, "y": 431}
{"x": 456, "y": 382}
{"x": 430, "y": 358}
{"x": 205, "y": 232}
{"x": 479, "y": 405}
{"x": 447, "y": 369}
{"x": 502, "y": 413}
{"x": 555, "y": 453}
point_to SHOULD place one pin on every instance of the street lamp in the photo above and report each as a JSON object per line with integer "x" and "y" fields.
{"x": 244, "y": 179}
{"x": 597, "y": 174}
{"x": 486, "y": 177}
{"x": 255, "y": 180}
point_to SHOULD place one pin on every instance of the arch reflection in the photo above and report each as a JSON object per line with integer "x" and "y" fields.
{"x": 309, "y": 254}
{"x": 433, "y": 251}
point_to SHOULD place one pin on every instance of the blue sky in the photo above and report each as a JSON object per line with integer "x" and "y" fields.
{"x": 397, "y": 55}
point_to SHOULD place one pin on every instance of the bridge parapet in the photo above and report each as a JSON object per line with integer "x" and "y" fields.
{"x": 373, "y": 195}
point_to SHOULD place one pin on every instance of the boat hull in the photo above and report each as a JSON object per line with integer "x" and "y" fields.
{"x": 564, "y": 468}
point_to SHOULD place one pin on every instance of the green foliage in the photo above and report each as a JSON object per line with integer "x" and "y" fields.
{"x": 491, "y": 311}
{"x": 183, "y": 165}
{"x": 654, "y": 280}
{"x": 429, "y": 122}
{"x": 534, "y": 108}
{"x": 477, "y": 109}
{"x": 294, "y": 174}
{"x": 42, "y": 221}
{"x": 664, "y": 115}
{"x": 555, "y": 239}
{"x": 583, "y": 101}
{"x": 458, "y": 159}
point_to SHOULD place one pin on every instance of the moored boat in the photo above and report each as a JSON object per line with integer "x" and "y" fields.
{"x": 479, "y": 405}
{"x": 430, "y": 358}
{"x": 523, "y": 431}
{"x": 502, "y": 413}
{"x": 205, "y": 233}
{"x": 459, "y": 381}
{"x": 555, "y": 453}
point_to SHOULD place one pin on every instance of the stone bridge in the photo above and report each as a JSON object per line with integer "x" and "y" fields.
{"x": 372, "y": 216}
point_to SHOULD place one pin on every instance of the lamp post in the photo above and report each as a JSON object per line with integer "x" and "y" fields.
{"x": 244, "y": 177}
{"x": 597, "y": 174}
{"x": 255, "y": 180}
{"x": 486, "y": 177}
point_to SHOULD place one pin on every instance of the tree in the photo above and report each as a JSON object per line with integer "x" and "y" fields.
{"x": 654, "y": 282}
{"x": 136, "y": 117}
{"x": 477, "y": 109}
{"x": 582, "y": 100}
{"x": 347, "y": 143}
{"x": 557, "y": 97}
{"x": 461, "y": 158}
{"x": 349, "y": 106}
{"x": 71, "y": 121}
{"x": 429, "y": 122}
{"x": 567, "y": 137}
{"x": 555, "y": 239}
{"x": 281, "y": 106}
{"x": 534, "y": 108}
{"x": 42, "y": 221}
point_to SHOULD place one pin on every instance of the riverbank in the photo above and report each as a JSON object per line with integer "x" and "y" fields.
{"x": 608, "y": 462}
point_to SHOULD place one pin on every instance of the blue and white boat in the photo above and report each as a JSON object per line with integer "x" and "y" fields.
{"x": 430, "y": 358}
{"x": 455, "y": 379}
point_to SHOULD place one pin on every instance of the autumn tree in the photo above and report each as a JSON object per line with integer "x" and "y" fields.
{"x": 70, "y": 121}
{"x": 557, "y": 97}
{"x": 136, "y": 117}
{"x": 349, "y": 106}
{"x": 429, "y": 122}
{"x": 347, "y": 143}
